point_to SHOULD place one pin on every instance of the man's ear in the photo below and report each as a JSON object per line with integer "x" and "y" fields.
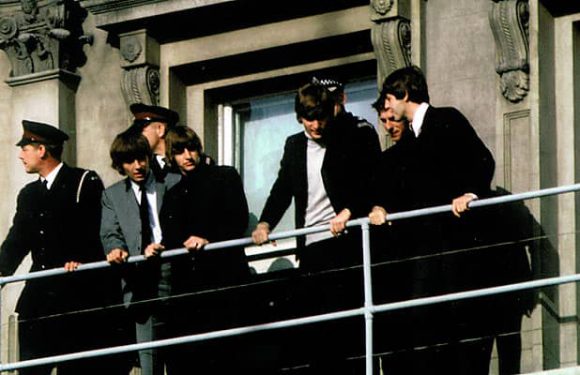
{"x": 406, "y": 97}
{"x": 42, "y": 151}
{"x": 162, "y": 130}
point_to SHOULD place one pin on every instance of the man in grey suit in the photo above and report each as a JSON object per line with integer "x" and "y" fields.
{"x": 130, "y": 227}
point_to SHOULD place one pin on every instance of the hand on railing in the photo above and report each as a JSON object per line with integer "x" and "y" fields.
{"x": 117, "y": 256}
{"x": 153, "y": 250}
{"x": 378, "y": 215}
{"x": 338, "y": 224}
{"x": 260, "y": 235}
{"x": 461, "y": 204}
{"x": 71, "y": 266}
{"x": 194, "y": 243}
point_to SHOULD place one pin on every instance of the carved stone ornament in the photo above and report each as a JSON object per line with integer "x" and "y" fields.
{"x": 141, "y": 85}
{"x": 382, "y": 7}
{"x": 131, "y": 48}
{"x": 509, "y": 22}
{"x": 392, "y": 44}
{"x": 43, "y": 38}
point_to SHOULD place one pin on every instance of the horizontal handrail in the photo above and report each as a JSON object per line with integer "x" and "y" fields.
{"x": 303, "y": 231}
{"x": 295, "y": 322}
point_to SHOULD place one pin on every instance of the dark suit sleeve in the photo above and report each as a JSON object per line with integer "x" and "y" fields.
{"x": 16, "y": 245}
{"x": 234, "y": 215}
{"x": 369, "y": 155}
{"x": 89, "y": 201}
{"x": 281, "y": 193}
{"x": 473, "y": 163}
{"x": 111, "y": 235}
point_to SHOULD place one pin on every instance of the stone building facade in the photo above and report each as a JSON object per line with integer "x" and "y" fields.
{"x": 511, "y": 66}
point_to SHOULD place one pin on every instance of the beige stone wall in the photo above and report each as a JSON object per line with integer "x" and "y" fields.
{"x": 101, "y": 109}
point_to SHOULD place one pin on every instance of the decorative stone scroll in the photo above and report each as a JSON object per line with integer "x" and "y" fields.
{"x": 391, "y": 35}
{"x": 140, "y": 63}
{"x": 141, "y": 85}
{"x": 509, "y": 22}
{"x": 392, "y": 44}
{"x": 40, "y": 38}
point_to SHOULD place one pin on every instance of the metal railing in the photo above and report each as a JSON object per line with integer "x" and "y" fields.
{"x": 367, "y": 310}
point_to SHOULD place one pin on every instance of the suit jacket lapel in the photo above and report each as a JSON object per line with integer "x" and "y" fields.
{"x": 160, "y": 188}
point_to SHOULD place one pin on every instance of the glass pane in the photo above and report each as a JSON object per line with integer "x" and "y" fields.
{"x": 264, "y": 125}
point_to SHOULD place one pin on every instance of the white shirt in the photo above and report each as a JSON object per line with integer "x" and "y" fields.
{"x": 51, "y": 176}
{"x": 418, "y": 118}
{"x": 319, "y": 210}
{"x": 151, "y": 192}
{"x": 161, "y": 160}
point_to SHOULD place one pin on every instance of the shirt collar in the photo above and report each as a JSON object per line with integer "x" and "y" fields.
{"x": 51, "y": 176}
{"x": 148, "y": 184}
{"x": 419, "y": 117}
{"x": 161, "y": 160}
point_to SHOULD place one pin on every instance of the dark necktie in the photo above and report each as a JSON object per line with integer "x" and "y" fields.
{"x": 44, "y": 187}
{"x": 145, "y": 223}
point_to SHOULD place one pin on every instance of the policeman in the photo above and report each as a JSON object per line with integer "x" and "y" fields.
{"x": 57, "y": 221}
{"x": 153, "y": 122}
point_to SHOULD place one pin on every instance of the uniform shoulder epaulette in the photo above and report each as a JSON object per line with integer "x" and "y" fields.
{"x": 87, "y": 175}
{"x": 362, "y": 123}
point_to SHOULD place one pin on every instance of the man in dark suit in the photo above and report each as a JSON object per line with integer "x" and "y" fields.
{"x": 130, "y": 226}
{"x": 57, "y": 221}
{"x": 326, "y": 170}
{"x": 154, "y": 122}
{"x": 207, "y": 205}
{"x": 447, "y": 163}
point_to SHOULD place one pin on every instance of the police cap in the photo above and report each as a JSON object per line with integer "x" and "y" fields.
{"x": 145, "y": 114}
{"x": 37, "y": 132}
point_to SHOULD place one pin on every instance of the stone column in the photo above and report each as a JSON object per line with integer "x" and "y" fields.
{"x": 391, "y": 35}
{"x": 44, "y": 44}
{"x": 391, "y": 38}
{"x": 140, "y": 65}
{"x": 509, "y": 23}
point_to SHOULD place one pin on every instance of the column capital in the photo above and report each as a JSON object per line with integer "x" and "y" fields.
{"x": 43, "y": 35}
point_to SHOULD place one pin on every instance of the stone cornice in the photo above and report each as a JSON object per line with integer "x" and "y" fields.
{"x": 47, "y": 75}
{"x": 111, "y": 12}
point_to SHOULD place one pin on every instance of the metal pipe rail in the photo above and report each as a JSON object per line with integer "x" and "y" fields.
{"x": 295, "y": 322}
{"x": 367, "y": 310}
{"x": 299, "y": 232}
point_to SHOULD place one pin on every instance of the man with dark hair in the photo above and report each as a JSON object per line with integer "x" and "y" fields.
{"x": 57, "y": 221}
{"x": 130, "y": 226}
{"x": 207, "y": 205}
{"x": 324, "y": 169}
{"x": 446, "y": 163}
{"x": 154, "y": 122}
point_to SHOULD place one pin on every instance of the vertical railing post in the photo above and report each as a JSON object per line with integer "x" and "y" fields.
{"x": 368, "y": 304}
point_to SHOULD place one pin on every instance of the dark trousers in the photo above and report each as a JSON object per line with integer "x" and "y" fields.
{"x": 49, "y": 336}
{"x": 331, "y": 280}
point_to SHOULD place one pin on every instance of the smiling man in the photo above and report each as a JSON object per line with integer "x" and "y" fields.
{"x": 441, "y": 161}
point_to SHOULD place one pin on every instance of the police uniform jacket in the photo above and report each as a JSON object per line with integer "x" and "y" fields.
{"x": 55, "y": 226}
